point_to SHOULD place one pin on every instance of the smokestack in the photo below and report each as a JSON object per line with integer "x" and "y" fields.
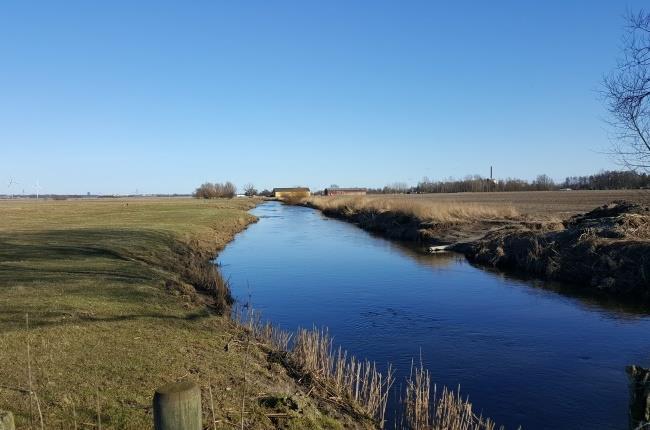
{"x": 490, "y": 172}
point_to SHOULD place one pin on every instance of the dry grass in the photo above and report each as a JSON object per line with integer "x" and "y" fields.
{"x": 422, "y": 209}
{"x": 333, "y": 375}
{"x": 346, "y": 377}
{"x": 424, "y": 410}
{"x": 294, "y": 198}
{"x": 340, "y": 378}
{"x": 535, "y": 204}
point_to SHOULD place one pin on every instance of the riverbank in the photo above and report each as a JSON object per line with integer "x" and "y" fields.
{"x": 603, "y": 251}
{"x": 481, "y": 329}
{"x": 121, "y": 298}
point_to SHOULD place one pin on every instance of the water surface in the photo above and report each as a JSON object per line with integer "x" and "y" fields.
{"x": 524, "y": 355}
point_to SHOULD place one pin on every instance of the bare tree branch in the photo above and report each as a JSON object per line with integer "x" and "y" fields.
{"x": 627, "y": 92}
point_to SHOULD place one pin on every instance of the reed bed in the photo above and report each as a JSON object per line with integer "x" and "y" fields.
{"x": 342, "y": 378}
{"x": 347, "y": 377}
{"x": 424, "y": 410}
{"x": 423, "y": 210}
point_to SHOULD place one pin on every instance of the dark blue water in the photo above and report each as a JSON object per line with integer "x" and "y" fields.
{"x": 523, "y": 354}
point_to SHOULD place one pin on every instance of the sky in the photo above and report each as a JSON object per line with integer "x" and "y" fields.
{"x": 158, "y": 97}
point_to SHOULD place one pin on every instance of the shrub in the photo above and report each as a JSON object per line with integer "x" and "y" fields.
{"x": 209, "y": 190}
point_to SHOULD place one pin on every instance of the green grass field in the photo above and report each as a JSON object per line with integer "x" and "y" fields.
{"x": 105, "y": 332}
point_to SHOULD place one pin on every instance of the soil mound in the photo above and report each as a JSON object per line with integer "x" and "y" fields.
{"x": 606, "y": 249}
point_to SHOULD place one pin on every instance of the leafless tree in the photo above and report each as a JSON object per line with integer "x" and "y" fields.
{"x": 209, "y": 190}
{"x": 543, "y": 183}
{"x": 627, "y": 91}
{"x": 250, "y": 190}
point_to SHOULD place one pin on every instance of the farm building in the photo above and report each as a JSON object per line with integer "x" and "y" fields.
{"x": 345, "y": 191}
{"x": 291, "y": 192}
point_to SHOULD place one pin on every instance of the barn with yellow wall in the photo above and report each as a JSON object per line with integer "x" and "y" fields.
{"x": 297, "y": 192}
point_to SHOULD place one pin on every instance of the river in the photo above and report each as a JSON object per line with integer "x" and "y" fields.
{"x": 524, "y": 355}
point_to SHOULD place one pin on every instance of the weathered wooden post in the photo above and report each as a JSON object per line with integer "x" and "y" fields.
{"x": 639, "y": 396}
{"x": 177, "y": 406}
{"x": 7, "y": 421}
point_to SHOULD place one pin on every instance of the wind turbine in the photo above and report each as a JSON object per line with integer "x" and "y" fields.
{"x": 9, "y": 185}
{"x": 38, "y": 188}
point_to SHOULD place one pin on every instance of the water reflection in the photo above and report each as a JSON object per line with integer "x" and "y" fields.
{"x": 617, "y": 307}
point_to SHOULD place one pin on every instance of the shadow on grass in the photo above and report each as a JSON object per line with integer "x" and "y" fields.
{"x": 71, "y": 244}
{"x": 14, "y": 320}
{"x": 89, "y": 276}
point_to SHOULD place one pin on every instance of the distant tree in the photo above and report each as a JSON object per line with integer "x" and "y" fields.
{"x": 396, "y": 188}
{"x": 249, "y": 190}
{"x": 543, "y": 183}
{"x": 229, "y": 190}
{"x": 209, "y": 190}
{"x": 266, "y": 193}
{"x": 627, "y": 91}
{"x": 205, "y": 191}
{"x": 334, "y": 186}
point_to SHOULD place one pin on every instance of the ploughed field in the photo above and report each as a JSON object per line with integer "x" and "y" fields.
{"x": 102, "y": 294}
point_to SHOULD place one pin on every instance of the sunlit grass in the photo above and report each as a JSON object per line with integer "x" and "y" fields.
{"x": 105, "y": 328}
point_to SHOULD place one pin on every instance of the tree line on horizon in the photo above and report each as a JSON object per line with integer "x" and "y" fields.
{"x": 605, "y": 180}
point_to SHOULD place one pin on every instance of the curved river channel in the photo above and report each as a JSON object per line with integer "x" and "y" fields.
{"x": 525, "y": 355}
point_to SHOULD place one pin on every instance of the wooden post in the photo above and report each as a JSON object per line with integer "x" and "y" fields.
{"x": 177, "y": 406}
{"x": 7, "y": 421}
{"x": 639, "y": 396}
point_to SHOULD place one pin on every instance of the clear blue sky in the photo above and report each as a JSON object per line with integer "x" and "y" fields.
{"x": 110, "y": 97}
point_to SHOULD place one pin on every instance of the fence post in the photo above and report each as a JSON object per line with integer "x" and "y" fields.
{"x": 7, "y": 421}
{"x": 177, "y": 406}
{"x": 639, "y": 396}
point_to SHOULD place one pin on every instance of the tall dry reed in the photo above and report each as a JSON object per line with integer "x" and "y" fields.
{"x": 311, "y": 354}
{"x": 424, "y": 410}
{"x": 340, "y": 376}
{"x": 346, "y": 376}
{"x": 423, "y": 209}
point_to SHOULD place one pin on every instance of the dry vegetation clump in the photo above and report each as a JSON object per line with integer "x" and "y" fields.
{"x": 295, "y": 198}
{"x": 424, "y": 221}
{"x": 424, "y": 410}
{"x": 346, "y": 377}
{"x": 198, "y": 272}
{"x": 421, "y": 209}
{"x": 338, "y": 377}
{"x": 604, "y": 250}
{"x": 335, "y": 376}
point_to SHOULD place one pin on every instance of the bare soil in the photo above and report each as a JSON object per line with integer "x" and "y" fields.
{"x": 606, "y": 250}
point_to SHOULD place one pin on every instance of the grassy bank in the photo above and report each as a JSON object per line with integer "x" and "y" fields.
{"x": 416, "y": 219}
{"x": 108, "y": 287}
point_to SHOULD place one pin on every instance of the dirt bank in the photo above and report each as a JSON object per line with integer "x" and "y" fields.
{"x": 409, "y": 228}
{"x": 606, "y": 250}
